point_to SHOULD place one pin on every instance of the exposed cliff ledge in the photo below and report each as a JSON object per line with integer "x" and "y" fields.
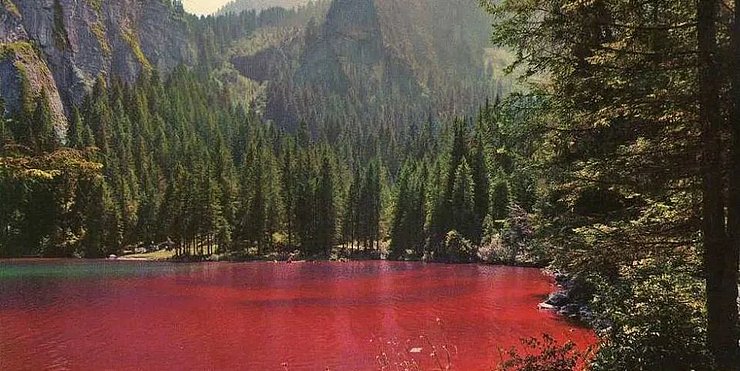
{"x": 20, "y": 64}
{"x": 349, "y": 49}
{"x": 78, "y": 40}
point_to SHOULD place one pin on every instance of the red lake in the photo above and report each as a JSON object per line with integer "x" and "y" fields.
{"x": 91, "y": 315}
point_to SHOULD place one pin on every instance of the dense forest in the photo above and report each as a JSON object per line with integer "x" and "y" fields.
{"x": 617, "y": 162}
{"x": 174, "y": 161}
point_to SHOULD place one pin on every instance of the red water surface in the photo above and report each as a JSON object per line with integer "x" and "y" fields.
{"x": 260, "y": 316}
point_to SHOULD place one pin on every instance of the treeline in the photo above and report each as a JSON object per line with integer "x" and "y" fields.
{"x": 180, "y": 165}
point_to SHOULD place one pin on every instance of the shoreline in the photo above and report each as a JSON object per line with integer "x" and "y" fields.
{"x": 269, "y": 259}
{"x": 159, "y": 257}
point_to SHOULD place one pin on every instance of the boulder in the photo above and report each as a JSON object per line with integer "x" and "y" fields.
{"x": 558, "y": 299}
{"x": 570, "y": 310}
{"x": 561, "y": 278}
{"x": 546, "y": 306}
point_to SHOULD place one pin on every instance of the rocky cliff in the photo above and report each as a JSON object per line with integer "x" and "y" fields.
{"x": 398, "y": 54}
{"x": 62, "y": 46}
{"x": 348, "y": 47}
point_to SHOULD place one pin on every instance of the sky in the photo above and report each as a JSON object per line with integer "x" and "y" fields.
{"x": 203, "y": 6}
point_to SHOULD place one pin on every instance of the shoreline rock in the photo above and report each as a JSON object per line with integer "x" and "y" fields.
{"x": 563, "y": 302}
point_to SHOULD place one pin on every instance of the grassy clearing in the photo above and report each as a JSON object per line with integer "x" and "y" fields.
{"x": 153, "y": 256}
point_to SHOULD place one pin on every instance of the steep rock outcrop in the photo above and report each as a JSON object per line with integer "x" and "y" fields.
{"x": 20, "y": 64}
{"x": 79, "y": 40}
{"x": 348, "y": 49}
{"x": 377, "y": 61}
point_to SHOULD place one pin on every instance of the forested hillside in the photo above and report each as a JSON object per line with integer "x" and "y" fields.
{"x": 278, "y": 61}
{"x": 174, "y": 161}
{"x": 369, "y": 61}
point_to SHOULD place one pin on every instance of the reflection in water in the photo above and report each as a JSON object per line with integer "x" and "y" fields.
{"x": 113, "y": 315}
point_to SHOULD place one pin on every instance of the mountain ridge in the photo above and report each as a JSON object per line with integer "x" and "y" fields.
{"x": 380, "y": 60}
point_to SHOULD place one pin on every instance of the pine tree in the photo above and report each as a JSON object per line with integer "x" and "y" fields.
{"x": 76, "y": 131}
{"x": 304, "y": 210}
{"x": 407, "y": 229}
{"x": 326, "y": 212}
{"x": 481, "y": 190}
{"x": 288, "y": 187}
{"x": 22, "y": 129}
{"x": 463, "y": 202}
{"x": 499, "y": 199}
{"x": 351, "y": 219}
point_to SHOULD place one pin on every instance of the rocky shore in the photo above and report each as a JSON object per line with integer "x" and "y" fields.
{"x": 570, "y": 300}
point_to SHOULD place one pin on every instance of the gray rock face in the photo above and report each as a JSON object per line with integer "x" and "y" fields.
{"x": 348, "y": 55}
{"x": 349, "y": 46}
{"x": 79, "y": 40}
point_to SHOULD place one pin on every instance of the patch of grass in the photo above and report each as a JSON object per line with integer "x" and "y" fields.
{"x": 99, "y": 31}
{"x": 11, "y": 8}
{"x": 133, "y": 41}
{"x": 97, "y": 5}
{"x": 98, "y": 28}
{"x": 155, "y": 255}
{"x": 19, "y": 48}
{"x": 61, "y": 39}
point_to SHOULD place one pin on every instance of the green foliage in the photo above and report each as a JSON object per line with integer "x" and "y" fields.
{"x": 97, "y": 5}
{"x": 617, "y": 161}
{"x": 38, "y": 200}
{"x": 11, "y": 8}
{"x": 407, "y": 231}
{"x": 42, "y": 125}
{"x": 463, "y": 201}
{"x": 657, "y": 319}
{"x": 61, "y": 39}
{"x": 98, "y": 29}
{"x": 325, "y": 234}
{"x": 544, "y": 355}
{"x": 133, "y": 42}
{"x": 457, "y": 249}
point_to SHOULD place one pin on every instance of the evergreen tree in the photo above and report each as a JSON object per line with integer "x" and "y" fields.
{"x": 407, "y": 229}
{"x": 481, "y": 189}
{"x": 326, "y": 213}
{"x": 499, "y": 199}
{"x": 288, "y": 187}
{"x": 76, "y": 132}
{"x": 462, "y": 203}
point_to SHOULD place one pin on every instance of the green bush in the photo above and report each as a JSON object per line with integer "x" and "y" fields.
{"x": 544, "y": 355}
{"x": 458, "y": 249}
{"x": 656, "y": 318}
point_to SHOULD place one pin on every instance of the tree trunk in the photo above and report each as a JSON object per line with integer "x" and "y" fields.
{"x": 732, "y": 259}
{"x": 718, "y": 251}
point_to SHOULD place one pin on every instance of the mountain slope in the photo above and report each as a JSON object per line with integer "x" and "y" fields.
{"x": 329, "y": 62}
{"x": 378, "y": 61}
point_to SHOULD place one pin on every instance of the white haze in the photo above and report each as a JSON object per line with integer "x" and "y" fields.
{"x": 203, "y": 7}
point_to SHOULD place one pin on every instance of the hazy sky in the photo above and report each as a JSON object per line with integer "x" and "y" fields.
{"x": 203, "y": 6}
